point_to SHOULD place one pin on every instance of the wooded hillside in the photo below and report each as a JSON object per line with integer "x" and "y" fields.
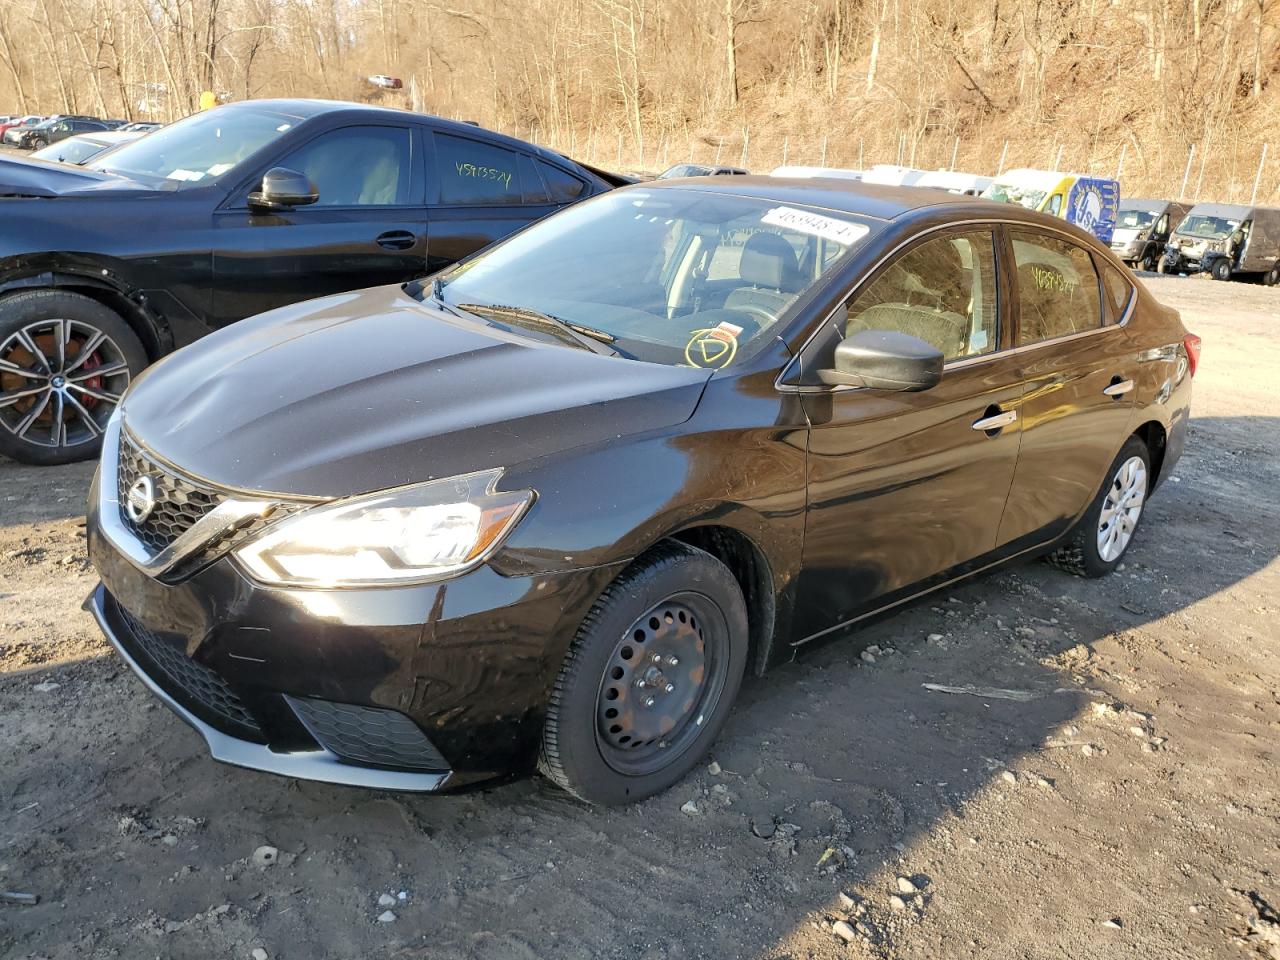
{"x": 645, "y": 83}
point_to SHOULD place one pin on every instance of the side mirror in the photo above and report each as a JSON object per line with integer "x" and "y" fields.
{"x": 885, "y": 360}
{"x": 282, "y": 189}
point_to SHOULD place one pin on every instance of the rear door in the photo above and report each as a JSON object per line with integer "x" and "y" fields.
{"x": 904, "y": 487}
{"x": 367, "y": 228}
{"x": 1079, "y": 366}
{"x": 482, "y": 190}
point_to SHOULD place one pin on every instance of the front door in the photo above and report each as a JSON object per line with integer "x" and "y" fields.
{"x": 905, "y": 487}
{"x": 1080, "y": 368}
{"x": 367, "y": 228}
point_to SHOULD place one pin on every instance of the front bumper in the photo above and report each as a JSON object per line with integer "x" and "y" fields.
{"x": 316, "y": 763}
{"x": 277, "y": 679}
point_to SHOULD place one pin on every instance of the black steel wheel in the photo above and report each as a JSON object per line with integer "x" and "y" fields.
{"x": 1149, "y": 261}
{"x": 665, "y": 675}
{"x": 649, "y": 679}
{"x": 65, "y": 361}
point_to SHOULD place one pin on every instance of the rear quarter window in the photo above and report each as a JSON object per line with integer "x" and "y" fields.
{"x": 564, "y": 186}
{"x": 1119, "y": 292}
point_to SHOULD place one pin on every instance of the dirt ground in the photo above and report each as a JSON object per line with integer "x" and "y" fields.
{"x": 1126, "y": 804}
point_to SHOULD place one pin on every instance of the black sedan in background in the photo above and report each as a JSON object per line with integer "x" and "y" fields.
{"x": 246, "y": 207}
{"x": 547, "y": 508}
{"x": 52, "y": 131}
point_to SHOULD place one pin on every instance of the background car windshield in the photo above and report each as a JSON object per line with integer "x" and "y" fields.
{"x": 1007, "y": 193}
{"x": 197, "y": 149}
{"x": 69, "y": 151}
{"x": 1135, "y": 219}
{"x": 673, "y": 276}
{"x": 1202, "y": 226}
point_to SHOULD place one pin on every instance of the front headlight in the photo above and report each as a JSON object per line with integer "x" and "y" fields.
{"x": 407, "y": 535}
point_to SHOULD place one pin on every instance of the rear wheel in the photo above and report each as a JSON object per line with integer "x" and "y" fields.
{"x": 65, "y": 360}
{"x": 1099, "y": 540}
{"x": 1272, "y": 276}
{"x": 650, "y": 678}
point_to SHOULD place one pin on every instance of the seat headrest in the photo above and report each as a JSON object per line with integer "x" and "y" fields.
{"x": 768, "y": 261}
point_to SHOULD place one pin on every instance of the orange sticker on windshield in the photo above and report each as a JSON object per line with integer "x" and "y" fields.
{"x": 712, "y": 347}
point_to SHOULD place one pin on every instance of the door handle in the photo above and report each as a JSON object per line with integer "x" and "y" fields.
{"x": 1118, "y": 388}
{"x": 997, "y": 421}
{"x": 396, "y": 240}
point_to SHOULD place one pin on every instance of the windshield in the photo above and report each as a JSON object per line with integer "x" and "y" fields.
{"x": 1135, "y": 219}
{"x": 195, "y": 150}
{"x": 1212, "y": 227}
{"x": 73, "y": 150}
{"x": 682, "y": 277}
{"x": 1008, "y": 193}
{"x": 684, "y": 170}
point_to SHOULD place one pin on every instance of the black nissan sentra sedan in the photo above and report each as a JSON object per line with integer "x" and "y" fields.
{"x": 548, "y": 507}
{"x": 230, "y": 212}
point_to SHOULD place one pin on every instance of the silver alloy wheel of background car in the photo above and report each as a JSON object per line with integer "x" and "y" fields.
{"x": 1122, "y": 508}
{"x": 60, "y": 380}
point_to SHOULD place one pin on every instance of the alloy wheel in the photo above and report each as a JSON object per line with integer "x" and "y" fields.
{"x": 662, "y": 681}
{"x": 59, "y": 382}
{"x": 1121, "y": 509}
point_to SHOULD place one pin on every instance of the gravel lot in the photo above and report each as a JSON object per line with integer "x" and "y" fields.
{"x": 1125, "y": 805}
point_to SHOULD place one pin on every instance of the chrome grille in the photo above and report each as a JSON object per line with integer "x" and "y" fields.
{"x": 180, "y": 504}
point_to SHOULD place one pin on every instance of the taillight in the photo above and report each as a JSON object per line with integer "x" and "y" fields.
{"x": 1192, "y": 344}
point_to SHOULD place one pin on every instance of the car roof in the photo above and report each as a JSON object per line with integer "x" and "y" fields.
{"x": 303, "y": 109}
{"x": 1140, "y": 203}
{"x": 846, "y": 196}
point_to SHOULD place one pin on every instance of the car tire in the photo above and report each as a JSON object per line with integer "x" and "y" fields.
{"x": 1221, "y": 269}
{"x": 606, "y": 737}
{"x": 84, "y": 398}
{"x": 1162, "y": 266}
{"x": 1100, "y": 539}
{"x": 1272, "y": 276}
{"x": 39, "y": 143}
{"x": 1149, "y": 261}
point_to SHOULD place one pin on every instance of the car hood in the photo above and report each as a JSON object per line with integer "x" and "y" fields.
{"x": 1124, "y": 235}
{"x": 368, "y": 390}
{"x": 20, "y": 177}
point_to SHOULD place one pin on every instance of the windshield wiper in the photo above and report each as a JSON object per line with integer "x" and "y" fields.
{"x": 597, "y": 341}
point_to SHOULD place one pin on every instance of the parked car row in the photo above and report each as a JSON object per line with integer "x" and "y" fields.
{"x": 478, "y": 508}
{"x": 33, "y": 132}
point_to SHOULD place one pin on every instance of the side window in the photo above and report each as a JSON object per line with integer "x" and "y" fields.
{"x": 474, "y": 172}
{"x": 1055, "y": 205}
{"x": 534, "y": 189}
{"x": 1057, "y": 287}
{"x": 357, "y": 166}
{"x": 564, "y": 186}
{"x": 1119, "y": 290}
{"x": 942, "y": 291}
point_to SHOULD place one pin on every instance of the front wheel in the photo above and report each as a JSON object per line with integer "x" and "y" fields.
{"x": 1221, "y": 269}
{"x": 65, "y": 360}
{"x": 1149, "y": 261}
{"x": 1099, "y": 540}
{"x": 649, "y": 680}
